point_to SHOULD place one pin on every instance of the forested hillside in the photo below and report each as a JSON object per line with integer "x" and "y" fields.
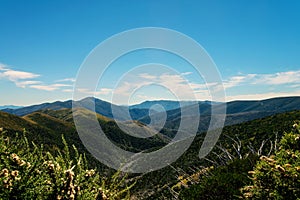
{"x": 223, "y": 174}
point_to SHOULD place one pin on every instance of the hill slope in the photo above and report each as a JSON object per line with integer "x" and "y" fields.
{"x": 46, "y": 127}
{"x": 251, "y": 134}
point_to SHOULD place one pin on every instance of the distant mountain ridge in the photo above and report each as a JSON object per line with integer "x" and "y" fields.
{"x": 10, "y": 107}
{"x": 30, "y": 109}
{"x": 101, "y": 107}
{"x": 236, "y": 111}
{"x": 166, "y": 104}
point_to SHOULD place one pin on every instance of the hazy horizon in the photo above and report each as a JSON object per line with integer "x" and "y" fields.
{"x": 149, "y": 101}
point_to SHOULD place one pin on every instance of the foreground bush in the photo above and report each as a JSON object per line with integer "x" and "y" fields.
{"x": 28, "y": 172}
{"x": 221, "y": 183}
{"x": 278, "y": 176}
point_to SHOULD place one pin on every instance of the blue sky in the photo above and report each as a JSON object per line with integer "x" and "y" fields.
{"x": 255, "y": 45}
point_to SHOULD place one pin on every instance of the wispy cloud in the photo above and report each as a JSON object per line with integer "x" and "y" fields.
{"x": 104, "y": 91}
{"x": 24, "y": 84}
{"x": 295, "y": 85}
{"x": 50, "y": 87}
{"x": 3, "y": 67}
{"x": 279, "y": 78}
{"x": 25, "y": 79}
{"x": 66, "y": 80}
{"x": 182, "y": 87}
{"x": 67, "y": 90}
{"x": 176, "y": 84}
{"x": 289, "y": 77}
{"x": 14, "y": 75}
{"x": 43, "y": 87}
{"x": 186, "y": 73}
{"x": 101, "y": 91}
{"x": 20, "y": 78}
{"x": 147, "y": 76}
{"x": 235, "y": 81}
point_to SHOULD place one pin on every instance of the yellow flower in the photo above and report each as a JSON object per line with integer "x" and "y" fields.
{"x": 281, "y": 169}
{"x": 51, "y": 166}
{"x": 90, "y": 173}
{"x": 7, "y": 183}
{"x": 15, "y": 157}
{"x": 48, "y": 182}
{"x": 5, "y": 172}
{"x": 72, "y": 196}
{"x": 251, "y": 172}
{"x": 15, "y": 173}
{"x": 288, "y": 165}
{"x": 248, "y": 194}
{"x": 265, "y": 158}
{"x": 22, "y": 163}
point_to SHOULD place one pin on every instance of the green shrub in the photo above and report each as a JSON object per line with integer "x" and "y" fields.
{"x": 28, "y": 172}
{"x": 223, "y": 182}
{"x": 278, "y": 176}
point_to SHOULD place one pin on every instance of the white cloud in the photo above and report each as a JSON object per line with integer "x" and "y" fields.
{"x": 43, "y": 87}
{"x": 183, "y": 88}
{"x": 288, "y": 78}
{"x": 67, "y": 90}
{"x": 295, "y": 85}
{"x": 51, "y": 87}
{"x": 238, "y": 80}
{"x": 185, "y": 73}
{"x": 279, "y": 78}
{"x": 147, "y": 76}
{"x": 61, "y": 85}
{"x": 101, "y": 91}
{"x": 173, "y": 84}
{"x": 125, "y": 88}
{"x": 20, "y": 78}
{"x": 3, "y": 67}
{"x": 104, "y": 91}
{"x": 66, "y": 80}
{"x": 177, "y": 84}
{"x": 28, "y": 80}
{"x": 14, "y": 75}
{"x": 24, "y": 84}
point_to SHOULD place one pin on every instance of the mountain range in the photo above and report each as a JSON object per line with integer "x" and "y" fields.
{"x": 236, "y": 111}
{"x": 10, "y": 107}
